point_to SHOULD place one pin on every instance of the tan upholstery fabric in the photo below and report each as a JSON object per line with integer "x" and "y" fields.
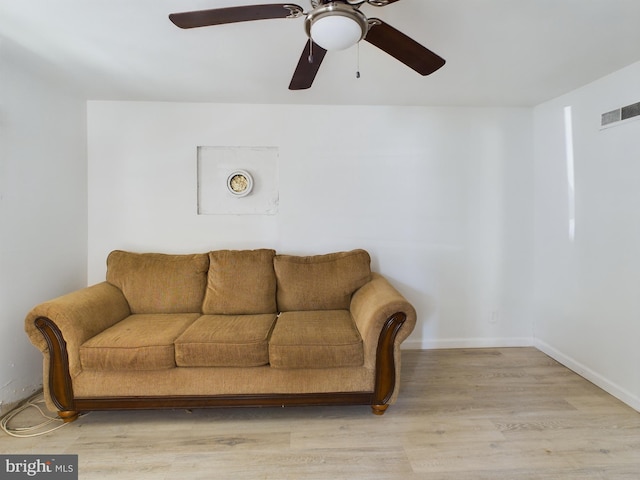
{"x": 315, "y": 339}
{"x": 320, "y": 282}
{"x": 159, "y": 283}
{"x": 139, "y": 342}
{"x": 222, "y": 381}
{"x": 240, "y": 282}
{"x": 371, "y": 306}
{"x": 226, "y": 341}
{"x": 78, "y": 315}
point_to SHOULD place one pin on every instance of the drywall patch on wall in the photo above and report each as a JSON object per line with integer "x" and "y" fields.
{"x": 237, "y": 180}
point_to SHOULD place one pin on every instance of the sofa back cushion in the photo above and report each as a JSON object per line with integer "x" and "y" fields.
{"x": 159, "y": 283}
{"x": 320, "y": 282}
{"x": 240, "y": 282}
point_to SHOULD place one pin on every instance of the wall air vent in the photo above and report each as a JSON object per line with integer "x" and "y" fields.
{"x": 620, "y": 114}
{"x": 630, "y": 111}
{"x": 611, "y": 117}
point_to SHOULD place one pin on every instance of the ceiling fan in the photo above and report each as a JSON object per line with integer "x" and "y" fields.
{"x": 330, "y": 25}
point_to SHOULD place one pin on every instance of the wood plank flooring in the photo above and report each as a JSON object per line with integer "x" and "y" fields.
{"x": 509, "y": 413}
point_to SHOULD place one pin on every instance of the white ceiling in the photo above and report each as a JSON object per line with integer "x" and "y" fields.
{"x": 498, "y": 52}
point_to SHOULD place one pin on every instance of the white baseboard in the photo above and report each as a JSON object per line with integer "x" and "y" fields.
{"x": 466, "y": 343}
{"x": 594, "y": 377}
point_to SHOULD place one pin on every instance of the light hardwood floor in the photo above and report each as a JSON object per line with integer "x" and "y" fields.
{"x": 510, "y": 413}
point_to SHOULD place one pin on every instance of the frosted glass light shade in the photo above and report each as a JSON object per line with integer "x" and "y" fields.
{"x": 336, "y": 26}
{"x": 336, "y": 32}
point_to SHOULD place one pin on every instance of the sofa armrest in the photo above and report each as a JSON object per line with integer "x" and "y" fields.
{"x": 378, "y": 308}
{"x": 371, "y": 307}
{"x": 77, "y": 317}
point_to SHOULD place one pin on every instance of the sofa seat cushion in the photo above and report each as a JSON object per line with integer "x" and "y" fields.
{"x": 139, "y": 342}
{"x": 320, "y": 282}
{"x": 315, "y": 339}
{"x": 159, "y": 283}
{"x": 240, "y": 282}
{"x": 226, "y": 341}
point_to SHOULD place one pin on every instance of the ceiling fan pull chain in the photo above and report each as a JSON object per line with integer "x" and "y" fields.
{"x": 358, "y": 61}
{"x": 310, "y": 52}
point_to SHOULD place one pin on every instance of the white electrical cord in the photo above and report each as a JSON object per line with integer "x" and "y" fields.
{"x": 33, "y": 430}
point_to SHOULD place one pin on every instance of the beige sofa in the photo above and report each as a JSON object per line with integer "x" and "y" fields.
{"x": 224, "y": 328}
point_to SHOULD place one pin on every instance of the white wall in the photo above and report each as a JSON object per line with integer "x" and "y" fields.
{"x": 587, "y": 306}
{"x": 43, "y": 207}
{"x": 441, "y": 197}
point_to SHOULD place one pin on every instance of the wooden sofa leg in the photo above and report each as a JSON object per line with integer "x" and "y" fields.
{"x": 379, "y": 409}
{"x": 68, "y": 416}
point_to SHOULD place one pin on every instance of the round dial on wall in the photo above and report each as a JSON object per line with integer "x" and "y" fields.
{"x": 240, "y": 183}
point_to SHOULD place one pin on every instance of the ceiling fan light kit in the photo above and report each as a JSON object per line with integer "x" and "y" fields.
{"x": 330, "y": 25}
{"x": 336, "y": 26}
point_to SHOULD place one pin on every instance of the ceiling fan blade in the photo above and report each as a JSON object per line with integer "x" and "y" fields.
{"x": 403, "y": 48}
{"x": 308, "y": 66}
{"x": 220, "y": 16}
{"x": 380, "y": 3}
